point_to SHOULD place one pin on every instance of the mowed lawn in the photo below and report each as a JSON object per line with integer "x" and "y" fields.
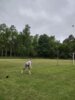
{"x": 48, "y": 81}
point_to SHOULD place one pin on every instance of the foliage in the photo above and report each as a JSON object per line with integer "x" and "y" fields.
{"x": 14, "y": 43}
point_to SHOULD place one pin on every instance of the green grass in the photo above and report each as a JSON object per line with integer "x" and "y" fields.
{"x": 48, "y": 81}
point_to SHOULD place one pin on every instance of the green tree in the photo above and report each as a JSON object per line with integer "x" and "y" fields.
{"x": 68, "y": 44}
{"x": 27, "y": 42}
{"x": 53, "y": 46}
{"x": 7, "y": 42}
{"x": 3, "y": 28}
{"x": 43, "y": 46}
{"x": 35, "y": 45}
{"x": 20, "y": 44}
{"x": 13, "y": 39}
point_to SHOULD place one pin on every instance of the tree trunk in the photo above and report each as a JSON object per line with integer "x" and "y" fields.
{"x": 2, "y": 53}
{"x": 6, "y": 52}
{"x": 10, "y": 51}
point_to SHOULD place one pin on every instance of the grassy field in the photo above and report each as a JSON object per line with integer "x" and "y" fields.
{"x": 48, "y": 81}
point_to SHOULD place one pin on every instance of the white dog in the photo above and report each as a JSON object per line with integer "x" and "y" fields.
{"x": 28, "y": 66}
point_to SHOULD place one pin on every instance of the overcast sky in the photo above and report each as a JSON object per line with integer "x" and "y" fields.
{"x": 53, "y": 17}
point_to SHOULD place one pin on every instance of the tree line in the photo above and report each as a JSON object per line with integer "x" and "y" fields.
{"x": 23, "y": 44}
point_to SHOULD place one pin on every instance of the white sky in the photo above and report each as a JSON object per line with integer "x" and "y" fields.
{"x": 53, "y": 17}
